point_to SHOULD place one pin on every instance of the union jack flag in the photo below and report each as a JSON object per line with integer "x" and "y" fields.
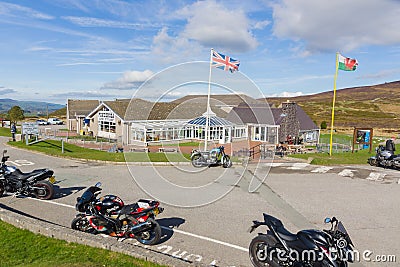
{"x": 224, "y": 62}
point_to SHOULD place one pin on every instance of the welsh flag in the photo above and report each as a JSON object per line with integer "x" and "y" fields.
{"x": 346, "y": 63}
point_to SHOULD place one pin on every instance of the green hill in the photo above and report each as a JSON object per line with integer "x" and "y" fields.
{"x": 30, "y": 107}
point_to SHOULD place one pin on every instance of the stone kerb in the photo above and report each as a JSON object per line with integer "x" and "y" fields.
{"x": 104, "y": 242}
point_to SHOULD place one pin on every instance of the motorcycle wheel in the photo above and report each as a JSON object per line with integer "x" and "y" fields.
{"x": 81, "y": 224}
{"x": 46, "y": 190}
{"x": 258, "y": 253}
{"x": 227, "y": 161}
{"x": 373, "y": 162}
{"x": 196, "y": 162}
{"x": 151, "y": 236}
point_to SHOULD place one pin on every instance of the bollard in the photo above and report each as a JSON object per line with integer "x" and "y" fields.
{"x": 62, "y": 146}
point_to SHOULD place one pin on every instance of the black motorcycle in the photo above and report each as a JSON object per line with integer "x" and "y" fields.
{"x": 109, "y": 215}
{"x": 308, "y": 248}
{"x": 33, "y": 183}
{"x": 215, "y": 156}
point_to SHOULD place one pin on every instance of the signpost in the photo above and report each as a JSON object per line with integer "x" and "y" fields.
{"x": 30, "y": 128}
{"x": 363, "y": 136}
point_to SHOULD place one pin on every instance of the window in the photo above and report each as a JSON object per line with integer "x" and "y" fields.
{"x": 106, "y": 126}
{"x": 107, "y": 121}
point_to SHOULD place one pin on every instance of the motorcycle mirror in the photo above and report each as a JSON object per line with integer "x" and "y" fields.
{"x": 4, "y": 151}
{"x": 327, "y": 220}
{"x": 98, "y": 184}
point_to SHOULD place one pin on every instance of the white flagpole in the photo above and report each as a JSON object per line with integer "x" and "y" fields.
{"x": 208, "y": 102}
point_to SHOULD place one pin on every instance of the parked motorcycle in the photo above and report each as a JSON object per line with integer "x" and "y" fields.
{"x": 109, "y": 215}
{"x": 13, "y": 180}
{"x": 279, "y": 247}
{"x": 215, "y": 156}
{"x": 384, "y": 158}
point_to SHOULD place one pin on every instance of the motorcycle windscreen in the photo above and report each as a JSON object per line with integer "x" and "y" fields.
{"x": 342, "y": 229}
{"x": 88, "y": 195}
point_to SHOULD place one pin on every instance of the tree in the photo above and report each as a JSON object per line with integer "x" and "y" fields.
{"x": 15, "y": 114}
{"x": 324, "y": 125}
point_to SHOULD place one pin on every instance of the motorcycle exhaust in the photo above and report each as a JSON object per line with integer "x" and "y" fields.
{"x": 140, "y": 227}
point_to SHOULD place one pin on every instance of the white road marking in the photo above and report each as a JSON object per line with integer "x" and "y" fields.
{"x": 167, "y": 228}
{"x": 376, "y": 176}
{"x": 322, "y": 169}
{"x": 298, "y": 166}
{"x": 276, "y": 164}
{"x": 346, "y": 173}
{"x": 20, "y": 162}
{"x": 210, "y": 239}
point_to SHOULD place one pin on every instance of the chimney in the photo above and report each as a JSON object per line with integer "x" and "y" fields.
{"x": 290, "y": 124}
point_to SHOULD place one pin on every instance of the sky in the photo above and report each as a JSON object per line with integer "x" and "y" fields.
{"x": 52, "y": 50}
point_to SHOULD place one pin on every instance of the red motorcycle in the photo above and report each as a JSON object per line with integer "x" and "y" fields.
{"x": 109, "y": 215}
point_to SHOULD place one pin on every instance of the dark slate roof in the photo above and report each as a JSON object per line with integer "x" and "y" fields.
{"x": 214, "y": 121}
{"x": 259, "y": 114}
{"x": 306, "y": 123}
{"x": 232, "y": 100}
{"x": 195, "y": 107}
{"x": 81, "y": 107}
{"x": 264, "y": 114}
{"x": 119, "y": 106}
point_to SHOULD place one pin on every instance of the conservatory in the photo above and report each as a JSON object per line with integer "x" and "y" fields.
{"x": 220, "y": 130}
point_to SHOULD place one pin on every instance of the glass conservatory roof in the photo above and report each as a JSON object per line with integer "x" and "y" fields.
{"x": 214, "y": 121}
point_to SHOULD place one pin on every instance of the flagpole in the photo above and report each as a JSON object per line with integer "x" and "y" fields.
{"x": 208, "y": 102}
{"x": 333, "y": 102}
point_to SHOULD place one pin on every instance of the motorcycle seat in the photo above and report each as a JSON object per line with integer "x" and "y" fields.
{"x": 23, "y": 176}
{"x": 281, "y": 231}
{"x": 285, "y": 234}
{"x": 127, "y": 209}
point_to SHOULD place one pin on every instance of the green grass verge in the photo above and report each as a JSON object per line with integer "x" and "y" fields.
{"x": 358, "y": 157}
{"x": 53, "y": 148}
{"x": 23, "y": 248}
{"x": 6, "y": 131}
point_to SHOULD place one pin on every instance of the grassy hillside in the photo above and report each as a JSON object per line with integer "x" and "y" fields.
{"x": 376, "y": 106}
{"x": 30, "y": 107}
{"x": 60, "y": 113}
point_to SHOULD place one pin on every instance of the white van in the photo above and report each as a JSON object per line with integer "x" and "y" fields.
{"x": 54, "y": 121}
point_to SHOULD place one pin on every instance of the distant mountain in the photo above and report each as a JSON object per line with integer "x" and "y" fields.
{"x": 376, "y": 106}
{"x": 30, "y": 107}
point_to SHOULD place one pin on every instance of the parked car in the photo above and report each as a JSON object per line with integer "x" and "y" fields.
{"x": 42, "y": 122}
{"x": 55, "y": 121}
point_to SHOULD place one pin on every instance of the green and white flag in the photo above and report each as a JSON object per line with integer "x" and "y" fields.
{"x": 346, "y": 63}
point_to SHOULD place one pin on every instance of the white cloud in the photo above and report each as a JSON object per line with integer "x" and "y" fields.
{"x": 96, "y": 22}
{"x": 85, "y": 95}
{"x": 259, "y": 25}
{"x": 339, "y": 25}
{"x": 171, "y": 50}
{"x": 13, "y": 10}
{"x": 214, "y": 25}
{"x": 286, "y": 94}
{"x": 6, "y": 91}
{"x": 136, "y": 76}
{"x": 129, "y": 80}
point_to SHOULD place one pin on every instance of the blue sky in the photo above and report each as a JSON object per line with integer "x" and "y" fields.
{"x": 51, "y": 50}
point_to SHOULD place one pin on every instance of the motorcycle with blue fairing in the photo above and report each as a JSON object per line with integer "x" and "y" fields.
{"x": 307, "y": 248}
{"x": 215, "y": 156}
